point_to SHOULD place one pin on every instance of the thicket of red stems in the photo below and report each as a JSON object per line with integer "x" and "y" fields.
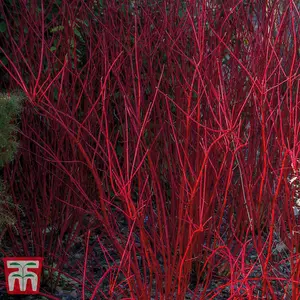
{"x": 161, "y": 132}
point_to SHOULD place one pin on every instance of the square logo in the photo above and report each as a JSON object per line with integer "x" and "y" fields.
{"x": 23, "y": 275}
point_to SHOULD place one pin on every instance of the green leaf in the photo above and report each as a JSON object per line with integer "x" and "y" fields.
{"x": 31, "y": 264}
{"x": 53, "y": 48}
{"x": 77, "y": 33}
{"x": 180, "y": 13}
{"x": 2, "y": 27}
{"x": 57, "y": 28}
{"x": 72, "y": 44}
{"x": 15, "y": 264}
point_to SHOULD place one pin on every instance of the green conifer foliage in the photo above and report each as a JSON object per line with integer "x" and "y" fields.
{"x": 10, "y": 108}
